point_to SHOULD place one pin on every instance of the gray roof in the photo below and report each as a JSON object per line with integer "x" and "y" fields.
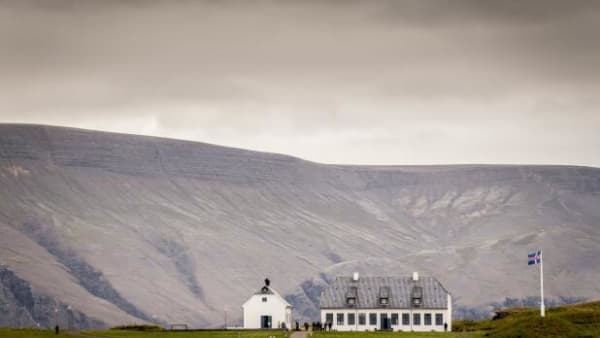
{"x": 399, "y": 289}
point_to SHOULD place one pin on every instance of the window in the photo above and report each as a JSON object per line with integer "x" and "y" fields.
{"x": 362, "y": 319}
{"x": 384, "y": 295}
{"x": 264, "y": 299}
{"x": 351, "y": 319}
{"x": 417, "y": 296}
{"x": 439, "y": 319}
{"x": 329, "y": 318}
{"x": 340, "y": 319}
{"x": 416, "y": 319}
{"x": 372, "y": 319}
{"x": 394, "y": 319}
{"x": 405, "y": 319}
{"x": 427, "y": 319}
{"x": 351, "y": 295}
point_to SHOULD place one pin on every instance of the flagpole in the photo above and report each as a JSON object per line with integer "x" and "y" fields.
{"x": 542, "y": 308}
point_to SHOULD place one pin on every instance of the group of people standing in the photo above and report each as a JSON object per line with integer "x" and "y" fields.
{"x": 316, "y": 326}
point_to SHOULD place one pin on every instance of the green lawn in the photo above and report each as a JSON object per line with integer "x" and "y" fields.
{"x": 26, "y": 333}
{"x": 21, "y": 333}
{"x": 396, "y": 334}
{"x": 33, "y": 333}
{"x": 191, "y": 334}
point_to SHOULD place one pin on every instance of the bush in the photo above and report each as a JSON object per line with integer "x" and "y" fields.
{"x": 138, "y": 327}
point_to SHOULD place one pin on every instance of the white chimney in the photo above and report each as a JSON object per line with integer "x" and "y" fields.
{"x": 415, "y": 276}
{"x": 355, "y": 277}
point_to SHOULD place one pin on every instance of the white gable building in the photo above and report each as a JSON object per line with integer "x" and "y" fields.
{"x": 386, "y": 303}
{"x": 266, "y": 309}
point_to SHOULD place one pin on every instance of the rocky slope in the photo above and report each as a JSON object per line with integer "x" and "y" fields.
{"x": 128, "y": 228}
{"x": 21, "y": 308}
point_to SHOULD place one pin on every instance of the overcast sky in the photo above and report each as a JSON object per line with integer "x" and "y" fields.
{"x": 363, "y": 82}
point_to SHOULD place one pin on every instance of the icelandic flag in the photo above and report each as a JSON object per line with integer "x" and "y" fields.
{"x": 534, "y": 258}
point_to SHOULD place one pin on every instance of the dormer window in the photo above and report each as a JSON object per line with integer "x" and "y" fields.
{"x": 264, "y": 299}
{"x": 417, "y": 296}
{"x": 351, "y": 296}
{"x": 384, "y": 295}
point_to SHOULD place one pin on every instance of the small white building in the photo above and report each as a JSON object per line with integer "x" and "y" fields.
{"x": 266, "y": 309}
{"x": 386, "y": 303}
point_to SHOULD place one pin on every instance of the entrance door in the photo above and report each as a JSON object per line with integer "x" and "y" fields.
{"x": 385, "y": 322}
{"x": 265, "y": 322}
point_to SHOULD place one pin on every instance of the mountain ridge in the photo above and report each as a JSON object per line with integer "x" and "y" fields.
{"x": 202, "y": 143}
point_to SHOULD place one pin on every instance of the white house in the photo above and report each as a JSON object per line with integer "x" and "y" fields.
{"x": 266, "y": 309}
{"x": 387, "y": 303}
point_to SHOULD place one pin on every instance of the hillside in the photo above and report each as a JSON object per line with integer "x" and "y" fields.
{"x": 127, "y": 228}
{"x": 579, "y": 320}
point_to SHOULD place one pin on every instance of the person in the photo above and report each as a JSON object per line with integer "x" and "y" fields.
{"x": 330, "y": 324}
{"x": 297, "y": 326}
{"x": 445, "y": 326}
{"x": 305, "y": 326}
{"x": 56, "y": 330}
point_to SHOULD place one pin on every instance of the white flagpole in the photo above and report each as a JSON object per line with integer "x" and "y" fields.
{"x": 542, "y": 308}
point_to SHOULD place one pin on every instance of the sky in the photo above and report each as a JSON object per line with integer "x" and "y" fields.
{"x": 356, "y": 82}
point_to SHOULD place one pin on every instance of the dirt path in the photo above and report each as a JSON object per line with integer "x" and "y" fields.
{"x": 299, "y": 334}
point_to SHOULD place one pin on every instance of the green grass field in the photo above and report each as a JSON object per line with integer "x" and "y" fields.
{"x": 582, "y": 320}
{"x": 33, "y": 333}
{"x": 397, "y": 334}
{"x": 193, "y": 334}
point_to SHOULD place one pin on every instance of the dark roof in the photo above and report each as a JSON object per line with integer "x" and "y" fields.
{"x": 265, "y": 290}
{"x": 399, "y": 290}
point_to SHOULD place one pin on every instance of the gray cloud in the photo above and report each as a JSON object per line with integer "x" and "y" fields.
{"x": 360, "y": 82}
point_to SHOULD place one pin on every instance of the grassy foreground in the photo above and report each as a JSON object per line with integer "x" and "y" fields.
{"x": 34, "y": 333}
{"x": 582, "y": 320}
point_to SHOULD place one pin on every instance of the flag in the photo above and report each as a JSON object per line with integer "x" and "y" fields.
{"x": 534, "y": 258}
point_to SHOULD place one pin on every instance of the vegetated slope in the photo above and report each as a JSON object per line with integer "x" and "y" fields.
{"x": 128, "y": 228}
{"x": 580, "y": 320}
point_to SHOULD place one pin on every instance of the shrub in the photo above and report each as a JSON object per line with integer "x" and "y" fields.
{"x": 137, "y": 327}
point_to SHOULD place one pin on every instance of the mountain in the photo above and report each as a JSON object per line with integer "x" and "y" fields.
{"x": 106, "y": 228}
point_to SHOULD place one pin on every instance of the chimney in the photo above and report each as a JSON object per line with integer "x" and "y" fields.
{"x": 355, "y": 277}
{"x": 415, "y": 276}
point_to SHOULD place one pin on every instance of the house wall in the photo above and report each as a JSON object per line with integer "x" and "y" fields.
{"x": 254, "y": 308}
{"x": 450, "y": 312}
{"x": 446, "y": 313}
